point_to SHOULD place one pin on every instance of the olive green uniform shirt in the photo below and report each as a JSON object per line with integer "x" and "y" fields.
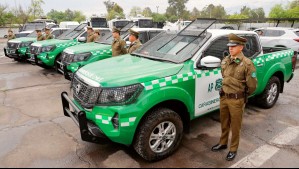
{"x": 133, "y": 46}
{"x": 49, "y": 36}
{"x": 40, "y": 38}
{"x": 119, "y": 47}
{"x": 10, "y": 37}
{"x": 90, "y": 38}
{"x": 237, "y": 74}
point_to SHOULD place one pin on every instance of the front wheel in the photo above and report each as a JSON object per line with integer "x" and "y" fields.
{"x": 270, "y": 95}
{"x": 159, "y": 135}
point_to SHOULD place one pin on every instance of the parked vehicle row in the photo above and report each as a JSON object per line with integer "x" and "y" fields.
{"x": 148, "y": 98}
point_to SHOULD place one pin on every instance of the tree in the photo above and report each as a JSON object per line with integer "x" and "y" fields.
{"x": 109, "y": 5}
{"x": 157, "y": 17}
{"x": 177, "y": 8}
{"x": 212, "y": 11}
{"x": 2, "y": 14}
{"x": 36, "y": 8}
{"x": 245, "y": 11}
{"x": 135, "y": 11}
{"x": 194, "y": 14}
{"x": 147, "y": 12}
{"x": 293, "y": 9}
{"x": 277, "y": 12}
{"x": 22, "y": 15}
{"x": 67, "y": 15}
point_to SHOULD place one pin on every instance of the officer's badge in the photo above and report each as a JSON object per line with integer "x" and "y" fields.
{"x": 253, "y": 74}
{"x": 218, "y": 84}
{"x": 237, "y": 60}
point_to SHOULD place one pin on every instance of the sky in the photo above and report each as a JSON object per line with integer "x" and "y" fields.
{"x": 97, "y": 7}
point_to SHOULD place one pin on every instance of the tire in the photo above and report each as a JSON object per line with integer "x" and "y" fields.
{"x": 271, "y": 93}
{"x": 163, "y": 118}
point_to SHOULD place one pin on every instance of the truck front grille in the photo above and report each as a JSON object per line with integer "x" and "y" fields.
{"x": 84, "y": 94}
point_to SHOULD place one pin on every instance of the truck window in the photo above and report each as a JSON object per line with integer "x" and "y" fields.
{"x": 143, "y": 37}
{"x": 273, "y": 33}
{"x": 218, "y": 48}
{"x": 152, "y": 34}
{"x": 251, "y": 48}
{"x": 56, "y": 33}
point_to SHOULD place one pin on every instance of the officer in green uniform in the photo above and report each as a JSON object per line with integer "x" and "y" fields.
{"x": 10, "y": 35}
{"x": 90, "y": 36}
{"x": 239, "y": 81}
{"x": 48, "y": 34}
{"x": 39, "y": 35}
{"x": 135, "y": 42}
{"x": 118, "y": 44}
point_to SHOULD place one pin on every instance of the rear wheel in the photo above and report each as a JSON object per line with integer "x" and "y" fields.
{"x": 159, "y": 135}
{"x": 270, "y": 95}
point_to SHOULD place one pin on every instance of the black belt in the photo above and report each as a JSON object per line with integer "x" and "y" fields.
{"x": 232, "y": 95}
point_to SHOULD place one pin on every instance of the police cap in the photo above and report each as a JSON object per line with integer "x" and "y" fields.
{"x": 135, "y": 33}
{"x": 235, "y": 40}
{"x": 114, "y": 29}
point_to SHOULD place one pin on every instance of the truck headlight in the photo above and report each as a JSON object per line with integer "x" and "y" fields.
{"x": 47, "y": 48}
{"x": 81, "y": 56}
{"x": 25, "y": 44}
{"x": 119, "y": 95}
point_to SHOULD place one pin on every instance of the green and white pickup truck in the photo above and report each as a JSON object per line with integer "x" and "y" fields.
{"x": 18, "y": 48}
{"x": 148, "y": 99}
{"x": 47, "y": 53}
{"x": 77, "y": 56}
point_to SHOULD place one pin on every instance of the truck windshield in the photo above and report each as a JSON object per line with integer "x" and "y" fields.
{"x": 145, "y": 23}
{"x": 33, "y": 26}
{"x": 73, "y": 33}
{"x": 177, "y": 47}
{"x": 32, "y": 35}
{"x": 98, "y": 22}
{"x": 120, "y": 24}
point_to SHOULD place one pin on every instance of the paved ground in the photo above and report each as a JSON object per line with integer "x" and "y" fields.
{"x": 34, "y": 132}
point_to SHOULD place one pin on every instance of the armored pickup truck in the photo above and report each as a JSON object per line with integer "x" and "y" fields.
{"x": 148, "y": 99}
{"x": 77, "y": 56}
{"x": 18, "y": 49}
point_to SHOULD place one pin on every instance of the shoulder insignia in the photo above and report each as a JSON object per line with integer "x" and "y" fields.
{"x": 253, "y": 74}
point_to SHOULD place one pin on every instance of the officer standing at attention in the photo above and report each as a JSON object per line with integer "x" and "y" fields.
{"x": 90, "y": 36}
{"x": 239, "y": 81}
{"x": 118, "y": 44}
{"x": 96, "y": 35}
{"x": 135, "y": 42}
{"x": 48, "y": 34}
{"x": 39, "y": 35}
{"x": 11, "y": 35}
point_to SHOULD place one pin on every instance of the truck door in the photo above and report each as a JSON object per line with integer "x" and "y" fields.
{"x": 209, "y": 80}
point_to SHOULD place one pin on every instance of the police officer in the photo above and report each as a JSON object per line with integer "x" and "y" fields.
{"x": 239, "y": 81}
{"x": 135, "y": 42}
{"x": 90, "y": 36}
{"x": 96, "y": 35}
{"x": 118, "y": 44}
{"x": 48, "y": 34}
{"x": 39, "y": 35}
{"x": 11, "y": 35}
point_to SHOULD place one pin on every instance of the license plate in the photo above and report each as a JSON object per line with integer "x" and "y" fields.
{"x": 10, "y": 51}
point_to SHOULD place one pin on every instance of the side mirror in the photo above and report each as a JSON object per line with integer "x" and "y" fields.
{"x": 82, "y": 39}
{"x": 210, "y": 62}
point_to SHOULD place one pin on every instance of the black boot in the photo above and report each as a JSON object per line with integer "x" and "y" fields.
{"x": 231, "y": 155}
{"x": 218, "y": 147}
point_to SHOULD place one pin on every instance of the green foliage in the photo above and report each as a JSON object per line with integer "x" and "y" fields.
{"x": 290, "y": 11}
{"x": 135, "y": 11}
{"x": 36, "y": 8}
{"x": 114, "y": 10}
{"x": 147, "y": 12}
{"x": 67, "y": 15}
{"x": 157, "y": 17}
{"x": 277, "y": 12}
{"x": 238, "y": 16}
{"x": 177, "y": 9}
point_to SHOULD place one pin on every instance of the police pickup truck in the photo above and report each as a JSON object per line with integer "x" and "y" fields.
{"x": 46, "y": 53}
{"x": 18, "y": 49}
{"x": 148, "y": 99}
{"x": 74, "y": 57}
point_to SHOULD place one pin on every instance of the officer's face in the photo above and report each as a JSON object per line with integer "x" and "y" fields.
{"x": 10, "y": 33}
{"x": 115, "y": 34}
{"x": 235, "y": 50}
{"x": 132, "y": 38}
{"x": 89, "y": 31}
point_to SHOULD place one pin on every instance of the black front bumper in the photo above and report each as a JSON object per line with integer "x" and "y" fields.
{"x": 63, "y": 69}
{"x": 14, "y": 55}
{"x": 89, "y": 131}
